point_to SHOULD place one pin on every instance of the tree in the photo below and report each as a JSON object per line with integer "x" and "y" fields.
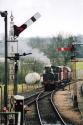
{"x": 28, "y": 66}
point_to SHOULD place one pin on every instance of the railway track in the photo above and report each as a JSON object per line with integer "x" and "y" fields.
{"x": 46, "y": 113}
{"x": 29, "y": 98}
{"x": 31, "y": 117}
{"x": 42, "y": 111}
{"x": 30, "y": 93}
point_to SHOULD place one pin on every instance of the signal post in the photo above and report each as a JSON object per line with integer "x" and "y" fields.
{"x": 19, "y": 101}
{"x": 4, "y": 14}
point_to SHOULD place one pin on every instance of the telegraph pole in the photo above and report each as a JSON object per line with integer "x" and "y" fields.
{"x": 5, "y": 82}
{"x": 17, "y": 31}
{"x": 4, "y": 14}
{"x": 15, "y": 77}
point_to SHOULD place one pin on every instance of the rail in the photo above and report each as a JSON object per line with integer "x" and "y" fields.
{"x": 52, "y": 102}
{"x": 48, "y": 111}
{"x": 38, "y": 109}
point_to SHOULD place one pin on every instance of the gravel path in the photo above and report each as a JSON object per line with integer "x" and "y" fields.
{"x": 64, "y": 103}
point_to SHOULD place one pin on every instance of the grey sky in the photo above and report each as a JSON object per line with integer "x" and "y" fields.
{"x": 58, "y": 16}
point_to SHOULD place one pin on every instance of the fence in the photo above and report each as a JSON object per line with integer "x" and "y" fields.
{"x": 8, "y": 118}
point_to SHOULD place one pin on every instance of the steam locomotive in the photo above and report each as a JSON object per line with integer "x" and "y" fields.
{"x": 56, "y": 77}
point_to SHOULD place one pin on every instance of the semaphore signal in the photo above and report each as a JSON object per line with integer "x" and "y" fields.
{"x": 18, "y": 30}
{"x": 63, "y": 49}
{"x": 72, "y": 48}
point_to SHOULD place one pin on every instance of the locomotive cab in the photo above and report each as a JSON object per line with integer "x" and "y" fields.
{"x": 48, "y": 79}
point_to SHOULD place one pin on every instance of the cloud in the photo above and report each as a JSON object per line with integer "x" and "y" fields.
{"x": 57, "y": 15}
